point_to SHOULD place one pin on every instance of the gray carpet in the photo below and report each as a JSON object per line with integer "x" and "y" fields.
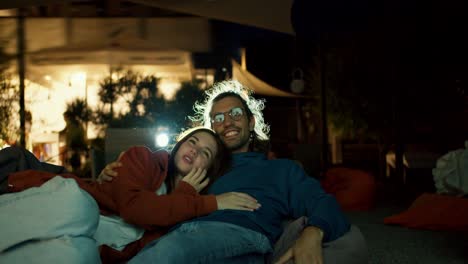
{"x": 396, "y": 244}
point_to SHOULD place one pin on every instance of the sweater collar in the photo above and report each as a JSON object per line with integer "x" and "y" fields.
{"x": 245, "y": 157}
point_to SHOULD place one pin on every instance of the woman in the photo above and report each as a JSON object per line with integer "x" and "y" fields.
{"x": 154, "y": 191}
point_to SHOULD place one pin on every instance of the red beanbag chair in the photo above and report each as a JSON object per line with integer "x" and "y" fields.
{"x": 354, "y": 189}
{"x": 434, "y": 212}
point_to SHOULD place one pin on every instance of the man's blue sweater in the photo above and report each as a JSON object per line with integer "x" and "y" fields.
{"x": 284, "y": 190}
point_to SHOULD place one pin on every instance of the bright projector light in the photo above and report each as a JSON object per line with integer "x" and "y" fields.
{"x": 162, "y": 139}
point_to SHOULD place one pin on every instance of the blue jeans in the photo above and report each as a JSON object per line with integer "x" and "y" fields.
{"x": 53, "y": 223}
{"x": 206, "y": 242}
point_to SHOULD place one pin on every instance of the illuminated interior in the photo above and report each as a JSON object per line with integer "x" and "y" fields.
{"x": 49, "y": 88}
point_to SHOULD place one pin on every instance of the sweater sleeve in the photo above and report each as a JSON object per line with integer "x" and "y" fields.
{"x": 307, "y": 198}
{"x": 134, "y": 192}
{"x": 22, "y": 180}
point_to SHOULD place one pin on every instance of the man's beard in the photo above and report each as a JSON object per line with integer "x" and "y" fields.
{"x": 237, "y": 146}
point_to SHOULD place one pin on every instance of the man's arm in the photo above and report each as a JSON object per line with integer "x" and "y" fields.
{"x": 326, "y": 221}
{"x": 306, "y": 249}
{"x": 307, "y": 198}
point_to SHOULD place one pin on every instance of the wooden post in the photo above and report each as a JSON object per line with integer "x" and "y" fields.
{"x": 21, "y": 73}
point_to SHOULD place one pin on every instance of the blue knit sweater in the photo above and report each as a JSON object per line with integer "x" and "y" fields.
{"x": 284, "y": 190}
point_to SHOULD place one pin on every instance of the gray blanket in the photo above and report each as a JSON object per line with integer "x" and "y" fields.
{"x": 13, "y": 159}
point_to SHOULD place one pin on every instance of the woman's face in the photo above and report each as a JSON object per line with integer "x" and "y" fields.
{"x": 198, "y": 151}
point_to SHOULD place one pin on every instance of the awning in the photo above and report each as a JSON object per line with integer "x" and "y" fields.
{"x": 266, "y": 14}
{"x": 26, "y": 3}
{"x": 105, "y": 54}
{"x": 257, "y": 85}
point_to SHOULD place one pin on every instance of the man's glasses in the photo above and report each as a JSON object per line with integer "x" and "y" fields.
{"x": 235, "y": 113}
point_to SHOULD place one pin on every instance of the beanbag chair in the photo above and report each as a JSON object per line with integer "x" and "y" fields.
{"x": 353, "y": 189}
{"x": 434, "y": 212}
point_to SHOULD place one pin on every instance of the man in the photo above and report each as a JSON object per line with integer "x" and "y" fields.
{"x": 281, "y": 186}
{"x": 245, "y": 131}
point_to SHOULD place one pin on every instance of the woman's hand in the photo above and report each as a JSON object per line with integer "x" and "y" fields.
{"x": 237, "y": 201}
{"x": 108, "y": 173}
{"x": 197, "y": 178}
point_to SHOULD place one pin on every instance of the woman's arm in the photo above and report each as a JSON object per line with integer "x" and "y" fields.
{"x": 133, "y": 191}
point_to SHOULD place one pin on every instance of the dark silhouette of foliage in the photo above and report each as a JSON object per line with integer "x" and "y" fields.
{"x": 79, "y": 111}
{"x": 182, "y": 105}
{"x": 146, "y": 106}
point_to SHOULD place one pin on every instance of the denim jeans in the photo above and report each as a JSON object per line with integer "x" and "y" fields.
{"x": 206, "y": 242}
{"x": 114, "y": 232}
{"x": 64, "y": 249}
{"x": 55, "y": 221}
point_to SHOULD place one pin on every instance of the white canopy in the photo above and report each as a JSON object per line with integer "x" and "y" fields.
{"x": 257, "y": 85}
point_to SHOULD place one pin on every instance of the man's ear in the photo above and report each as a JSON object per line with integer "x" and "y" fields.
{"x": 252, "y": 123}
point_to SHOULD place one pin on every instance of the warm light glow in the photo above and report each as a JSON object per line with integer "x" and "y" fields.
{"x": 3, "y": 145}
{"x": 8, "y": 13}
{"x": 78, "y": 79}
{"x": 47, "y": 78}
{"x": 47, "y": 106}
{"x": 168, "y": 88}
{"x": 114, "y": 76}
{"x": 206, "y": 80}
{"x": 14, "y": 81}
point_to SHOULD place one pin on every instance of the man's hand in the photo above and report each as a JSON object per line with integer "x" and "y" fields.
{"x": 197, "y": 178}
{"x": 307, "y": 249}
{"x": 108, "y": 173}
{"x": 237, "y": 201}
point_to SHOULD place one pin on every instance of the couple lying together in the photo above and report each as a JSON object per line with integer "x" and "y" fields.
{"x": 215, "y": 198}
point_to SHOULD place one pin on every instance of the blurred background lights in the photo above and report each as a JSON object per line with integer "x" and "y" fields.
{"x": 162, "y": 139}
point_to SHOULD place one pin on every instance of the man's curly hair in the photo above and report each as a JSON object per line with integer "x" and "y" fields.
{"x": 227, "y": 88}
